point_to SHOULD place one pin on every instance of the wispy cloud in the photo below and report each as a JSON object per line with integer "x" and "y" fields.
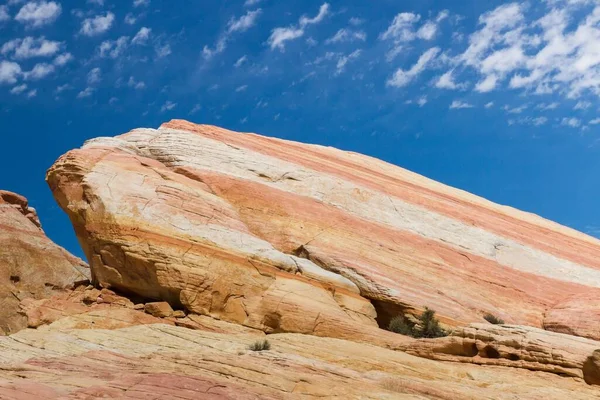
{"x": 281, "y": 35}
{"x": 238, "y": 25}
{"x": 458, "y": 104}
{"x": 402, "y": 78}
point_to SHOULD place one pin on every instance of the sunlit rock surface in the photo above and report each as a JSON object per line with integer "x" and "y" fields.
{"x": 31, "y": 265}
{"x": 287, "y": 237}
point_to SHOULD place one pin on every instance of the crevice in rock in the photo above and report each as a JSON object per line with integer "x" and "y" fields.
{"x": 387, "y": 310}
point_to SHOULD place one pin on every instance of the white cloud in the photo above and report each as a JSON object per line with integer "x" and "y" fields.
{"x": 9, "y": 71}
{"x": 19, "y": 89}
{"x": 241, "y": 24}
{"x": 240, "y": 61}
{"x": 113, "y": 48}
{"x": 582, "y": 105}
{"x": 457, "y": 104}
{"x": 139, "y": 3}
{"x": 515, "y": 110}
{"x": 63, "y": 59}
{"x": 32, "y": 93}
{"x": 487, "y": 85}
{"x": 489, "y": 105}
{"x": 250, "y": 3}
{"x": 31, "y": 47}
{"x": 97, "y": 25}
{"x": 544, "y": 106}
{"x": 135, "y": 84}
{"x": 281, "y": 35}
{"x": 168, "y": 106}
{"x": 142, "y": 36}
{"x": 241, "y": 88}
{"x": 402, "y": 27}
{"x": 162, "y": 50}
{"x": 446, "y": 81}
{"x": 571, "y": 122}
{"x": 343, "y": 60}
{"x": 347, "y": 35}
{"x": 64, "y": 87}
{"x": 87, "y": 92}
{"x": 195, "y": 109}
{"x": 356, "y": 21}
{"x": 130, "y": 19}
{"x": 323, "y": 11}
{"x": 403, "y": 30}
{"x": 38, "y": 13}
{"x": 4, "y": 15}
{"x": 595, "y": 121}
{"x": 402, "y": 78}
{"x": 94, "y": 76}
{"x": 96, "y": 2}
{"x": 39, "y": 71}
{"x": 538, "y": 121}
{"x": 421, "y": 101}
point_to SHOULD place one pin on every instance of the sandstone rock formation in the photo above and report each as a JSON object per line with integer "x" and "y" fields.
{"x": 157, "y": 361}
{"x": 31, "y": 265}
{"x": 515, "y": 346}
{"x": 287, "y": 237}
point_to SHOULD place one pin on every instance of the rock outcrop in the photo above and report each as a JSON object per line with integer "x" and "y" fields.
{"x": 31, "y": 265}
{"x": 287, "y": 237}
{"x": 72, "y": 359}
{"x": 515, "y": 346}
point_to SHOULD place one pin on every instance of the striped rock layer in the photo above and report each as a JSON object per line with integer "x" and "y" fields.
{"x": 31, "y": 265}
{"x": 287, "y": 237}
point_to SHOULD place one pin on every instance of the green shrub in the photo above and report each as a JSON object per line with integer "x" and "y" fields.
{"x": 428, "y": 326}
{"x": 492, "y": 319}
{"x": 260, "y": 345}
{"x": 400, "y": 325}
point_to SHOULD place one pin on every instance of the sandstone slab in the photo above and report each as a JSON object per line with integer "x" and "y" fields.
{"x": 162, "y": 361}
{"x": 287, "y": 237}
{"x": 31, "y": 265}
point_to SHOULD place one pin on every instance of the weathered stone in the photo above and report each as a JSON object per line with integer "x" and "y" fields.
{"x": 288, "y": 237}
{"x": 160, "y": 361}
{"x": 514, "y": 346}
{"x": 159, "y": 309}
{"x": 577, "y": 315}
{"x": 31, "y": 265}
{"x": 179, "y": 314}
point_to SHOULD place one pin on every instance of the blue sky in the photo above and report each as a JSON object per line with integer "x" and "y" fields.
{"x": 497, "y": 98}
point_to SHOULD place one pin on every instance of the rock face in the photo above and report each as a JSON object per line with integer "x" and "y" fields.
{"x": 287, "y": 237}
{"x": 64, "y": 360}
{"x": 516, "y": 346}
{"x": 31, "y": 265}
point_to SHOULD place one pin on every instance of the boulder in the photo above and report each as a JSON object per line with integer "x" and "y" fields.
{"x": 288, "y": 237}
{"x": 31, "y": 265}
{"x": 160, "y": 309}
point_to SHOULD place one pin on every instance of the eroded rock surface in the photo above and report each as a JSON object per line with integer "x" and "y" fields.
{"x": 163, "y": 361}
{"x": 287, "y": 237}
{"x": 31, "y": 265}
{"x": 515, "y": 346}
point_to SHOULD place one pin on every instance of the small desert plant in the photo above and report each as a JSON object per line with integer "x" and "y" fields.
{"x": 427, "y": 327}
{"x": 400, "y": 325}
{"x": 430, "y": 326}
{"x": 260, "y": 345}
{"x": 492, "y": 319}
